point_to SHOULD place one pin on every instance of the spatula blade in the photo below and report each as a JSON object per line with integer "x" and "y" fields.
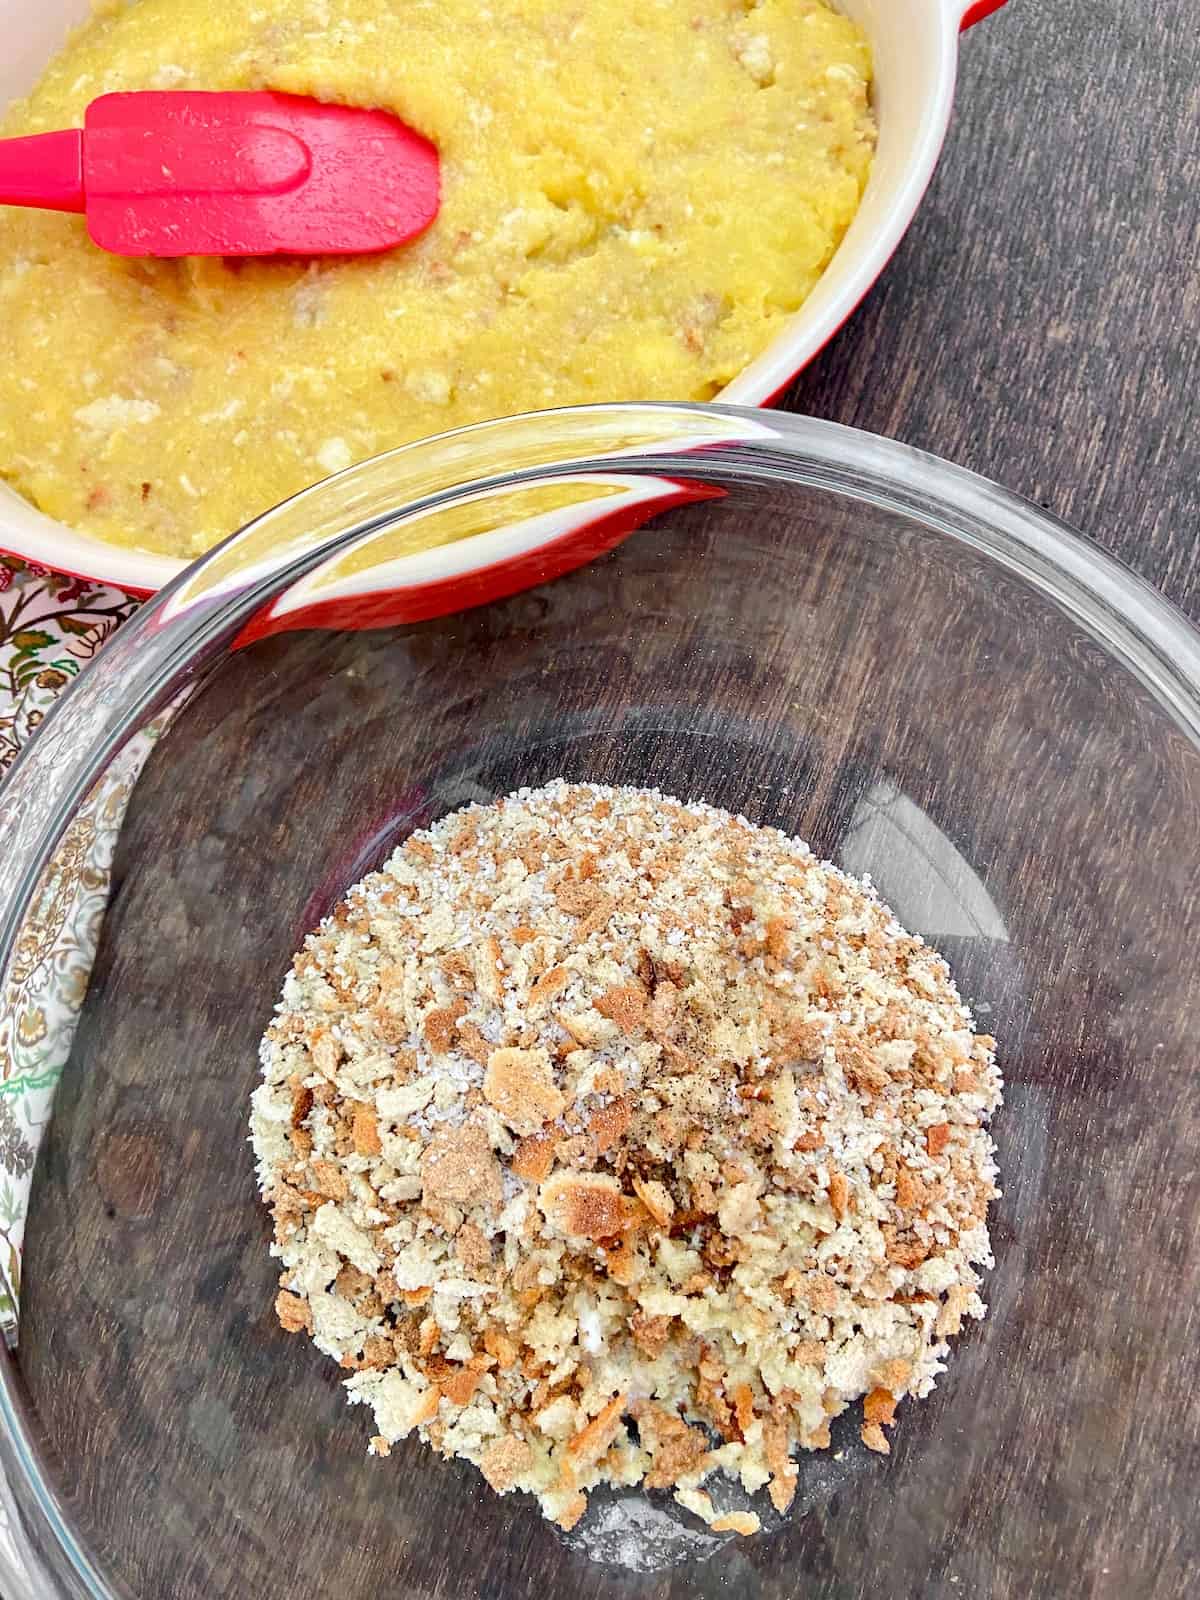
{"x": 179, "y": 173}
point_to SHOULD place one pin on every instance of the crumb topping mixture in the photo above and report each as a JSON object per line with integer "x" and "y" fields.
{"x": 610, "y": 1139}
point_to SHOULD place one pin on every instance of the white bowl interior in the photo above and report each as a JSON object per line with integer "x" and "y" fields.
{"x": 915, "y": 47}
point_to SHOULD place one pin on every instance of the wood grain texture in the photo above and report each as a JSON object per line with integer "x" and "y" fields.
{"x": 1041, "y": 321}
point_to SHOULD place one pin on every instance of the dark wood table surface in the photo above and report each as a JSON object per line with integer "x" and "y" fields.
{"x": 1041, "y": 321}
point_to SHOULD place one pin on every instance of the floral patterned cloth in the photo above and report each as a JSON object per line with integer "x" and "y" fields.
{"x": 50, "y": 627}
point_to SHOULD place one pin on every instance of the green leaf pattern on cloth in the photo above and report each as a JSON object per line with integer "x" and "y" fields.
{"x": 50, "y": 627}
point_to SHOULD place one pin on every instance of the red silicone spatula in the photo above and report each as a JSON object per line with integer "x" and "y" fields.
{"x": 241, "y": 174}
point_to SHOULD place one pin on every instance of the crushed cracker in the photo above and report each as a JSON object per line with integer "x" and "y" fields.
{"x": 610, "y": 1139}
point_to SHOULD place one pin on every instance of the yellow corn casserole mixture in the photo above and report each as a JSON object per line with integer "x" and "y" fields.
{"x": 635, "y": 198}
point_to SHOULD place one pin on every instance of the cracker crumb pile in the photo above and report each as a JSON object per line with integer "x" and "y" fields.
{"x": 611, "y": 1139}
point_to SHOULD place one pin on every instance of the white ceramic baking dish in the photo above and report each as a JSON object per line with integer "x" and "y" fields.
{"x": 915, "y": 45}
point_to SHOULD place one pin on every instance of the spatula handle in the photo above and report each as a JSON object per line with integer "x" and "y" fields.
{"x": 44, "y": 170}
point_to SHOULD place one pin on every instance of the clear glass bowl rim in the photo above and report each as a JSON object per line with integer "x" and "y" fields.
{"x": 163, "y": 648}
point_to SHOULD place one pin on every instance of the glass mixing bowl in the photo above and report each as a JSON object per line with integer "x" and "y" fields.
{"x": 928, "y": 679}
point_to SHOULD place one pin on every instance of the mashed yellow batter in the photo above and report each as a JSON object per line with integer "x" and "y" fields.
{"x": 635, "y": 196}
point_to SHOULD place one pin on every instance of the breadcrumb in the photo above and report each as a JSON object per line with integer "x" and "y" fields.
{"x": 590, "y": 1096}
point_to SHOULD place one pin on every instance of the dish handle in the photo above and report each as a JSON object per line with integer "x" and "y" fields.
{"x": 974, "y": 11}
